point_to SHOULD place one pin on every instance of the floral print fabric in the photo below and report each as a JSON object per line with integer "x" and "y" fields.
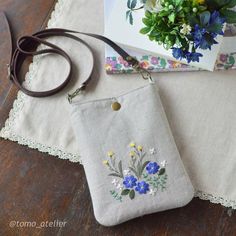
{"x": 116, "y": 65}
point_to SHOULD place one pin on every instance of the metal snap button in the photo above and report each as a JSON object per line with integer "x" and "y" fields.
{"x": 115, "y": 106}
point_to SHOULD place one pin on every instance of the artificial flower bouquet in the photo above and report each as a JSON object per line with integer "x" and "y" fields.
{"x": 184, "y": 26}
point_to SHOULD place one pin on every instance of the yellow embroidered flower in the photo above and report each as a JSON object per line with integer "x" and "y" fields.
{"x": 132, "y": 154}
{"x": 110, "y": 153}
{"x": 132, "y": 144}
{"x": 140, "y": 148}
{"x": 105, "y": 162}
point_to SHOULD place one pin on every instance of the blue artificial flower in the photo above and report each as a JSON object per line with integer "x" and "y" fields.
{"x": 152, "y": 168}
{"x": 216, "y": 24}
{"x": 199, "y": 36}
{"x": 193, "y": 56}
{"x": 216, "y": 18}
{"x": 177, "y": 53}
{"x": 129, "y": 181}
{"x": 142, "y": 187}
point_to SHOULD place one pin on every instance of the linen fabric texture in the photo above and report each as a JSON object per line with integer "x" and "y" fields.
{"x": 141, "y": 120}
{"x": 200, "y": 106}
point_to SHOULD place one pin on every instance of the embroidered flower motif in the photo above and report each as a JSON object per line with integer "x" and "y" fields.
{"x": 110, "y": 153}
{"x": 140, "y": 148}
{"x": 105, "y": 162}
{"x": 152, "y": 167}
{"x": 152, "y": 192}
{"x": 126, "y": 172}
{"x": 132, "y": 144}
{"x": 152, "y": 151}
{"x": 129, "y": 181}
{"x": 142, "y": 187}
{"x": 119, "y": 186}
{"x": 115, "y": 182}
{"x": 132, "y": 154}
{"x": 163, "y": 164}
{"x": 141, "y": 176}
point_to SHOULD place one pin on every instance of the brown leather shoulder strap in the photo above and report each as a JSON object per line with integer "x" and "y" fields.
{"x": 27, "y": 45}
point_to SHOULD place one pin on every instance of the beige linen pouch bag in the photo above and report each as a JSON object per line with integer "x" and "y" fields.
{"x": 131, "y": 162}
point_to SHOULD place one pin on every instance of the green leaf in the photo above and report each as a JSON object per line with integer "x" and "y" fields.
{"x": 120, "y": 168}
{"x": 229, "y": 15}
{"x": 171, "y": 17}
{"x": 129, "y": 4}
{"x": 231, "y": 60}
{"x": 214, "y": 28}
{"x": 131, "y": 19}
{"x": 145, "y": 30}
{"x": 162, "y": 171}
{"x": 132, "y": 169}
{"x": 115, "y": 174}
{"x": 132, "y": 194}
{"x": 231, "y": 4}
{"x": 144, "y": 165}
{"x": 205, "y": 17}
{"x": 127, "y": 14}
{"x": 133, "y": 4}
{"x": 147, "y": 21}
{"x": 148, "y": 14}
{"x": 125, "y": 192}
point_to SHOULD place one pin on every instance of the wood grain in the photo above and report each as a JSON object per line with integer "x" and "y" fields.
{"x": 37, "y": 187}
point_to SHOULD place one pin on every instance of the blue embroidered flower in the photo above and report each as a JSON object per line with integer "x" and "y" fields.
{"x": 152, "y": 167}
{"x": 129, "y": 181}
{"x": 142, "y": 187}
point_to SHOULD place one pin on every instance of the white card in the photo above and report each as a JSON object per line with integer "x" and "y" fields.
{"x": 119, "y": 30}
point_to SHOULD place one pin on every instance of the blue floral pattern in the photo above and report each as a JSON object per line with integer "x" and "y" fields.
{"x": 142, "y": 187}
{"x": 140, "y": 177}
{"x": 152, "y": 168}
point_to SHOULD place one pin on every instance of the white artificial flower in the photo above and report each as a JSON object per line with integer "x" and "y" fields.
{"x": 152, "y": 192}
{"x": 126, "y": 172}
{"x": 153, "y": 5}
{"x": 152, "y": 151}
{"x": 163, "y": 163}
{"x": 115, "y": 182}
{"x": 186, "y": 29}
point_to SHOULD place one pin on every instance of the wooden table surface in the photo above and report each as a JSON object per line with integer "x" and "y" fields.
{"x": 36, "y": 187}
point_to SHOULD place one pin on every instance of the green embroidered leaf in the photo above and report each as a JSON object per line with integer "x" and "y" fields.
{"x": 125, "y": 192}
{"x": 162, "y": 171}
{"x": 116, "y": 175}
{"x": 143, "y": 155}
{"x": 120, "y": 168}
{"x": 144, "y": 165}
{"x": 135, "y": 172}
{"x": 132, "y": 194}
